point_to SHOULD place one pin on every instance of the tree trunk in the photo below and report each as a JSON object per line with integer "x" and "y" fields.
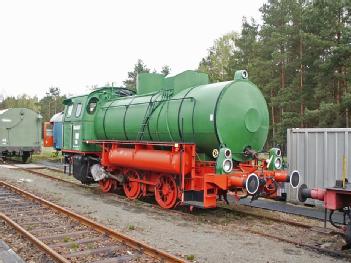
{"x": 347, "y": 109}
{"x": 339, "y": 70}
{"x": 282, "y": 77}
{"x": 283, "y": 81}
{"x": 302, "y": 106}
{"x": 273, "y": 118}
{"x": 347, "y": 117}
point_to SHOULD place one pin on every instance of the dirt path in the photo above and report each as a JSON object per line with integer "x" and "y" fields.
{"x": 170, "y": 232}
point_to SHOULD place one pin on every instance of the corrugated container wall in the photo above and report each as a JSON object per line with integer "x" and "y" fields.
{"x": 318, "y": 155}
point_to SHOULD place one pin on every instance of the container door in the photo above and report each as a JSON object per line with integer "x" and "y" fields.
{"x": 6, "y": 124}
{"x": 48, "y": 137}
{"x": 4, "y": 138}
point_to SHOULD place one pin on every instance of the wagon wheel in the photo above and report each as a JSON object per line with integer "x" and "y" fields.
{"x": 107, "y": 185}
{"x": 25, "y": 156}
{"x": 166, "y": 191}
{"x": 131, "y": 188}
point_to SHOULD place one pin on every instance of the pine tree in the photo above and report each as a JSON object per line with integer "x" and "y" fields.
{"x": 139, "y": 67}
{"x": 300, "y": 57}
{"x": 218, "y": 63}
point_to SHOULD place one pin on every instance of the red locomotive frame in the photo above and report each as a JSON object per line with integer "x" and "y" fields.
{"x": 174, "y": 175}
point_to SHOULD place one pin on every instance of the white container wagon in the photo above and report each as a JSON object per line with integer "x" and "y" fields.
{"x": 321, "y": 155}
{"x": 20, "y": 132}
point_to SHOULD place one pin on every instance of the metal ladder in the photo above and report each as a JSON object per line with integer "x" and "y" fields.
{"x": 150, "y": 109}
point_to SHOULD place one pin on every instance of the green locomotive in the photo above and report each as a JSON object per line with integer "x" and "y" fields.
{"x": 213, "y": 132}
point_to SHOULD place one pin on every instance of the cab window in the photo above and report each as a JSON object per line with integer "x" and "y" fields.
{"x": 91, "y": 107}
{"x": 78, "y": 109}
{"x": 69, "y": 110}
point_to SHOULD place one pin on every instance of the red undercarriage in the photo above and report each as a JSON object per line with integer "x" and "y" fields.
{"x": 172, "y": 173}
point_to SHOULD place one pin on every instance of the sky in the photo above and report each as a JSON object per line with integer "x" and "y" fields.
{"x": 74, "y": 44}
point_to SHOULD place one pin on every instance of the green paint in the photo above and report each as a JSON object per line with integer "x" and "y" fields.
{"x": 20, "y": 128}
{"x": 274, "y": 157}
{"x": 80, "y": 127}
{"x": 220, "y": 160}
{"x": 180, "y": 108}
{"x": 149, "y": 83}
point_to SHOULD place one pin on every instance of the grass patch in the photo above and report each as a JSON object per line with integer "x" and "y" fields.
{"x": 190, "y": 257}
{"x": 47, "y": 153}
{"x": 74, "y": 246}
{"x": 131, "y": 227}
{"x": 66, "y": 239}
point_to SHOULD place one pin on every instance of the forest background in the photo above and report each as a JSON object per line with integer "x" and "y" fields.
{"x": 299, "y": 56}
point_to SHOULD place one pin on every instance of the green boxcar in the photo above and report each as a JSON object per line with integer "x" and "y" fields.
{"x": 20, "y": 132}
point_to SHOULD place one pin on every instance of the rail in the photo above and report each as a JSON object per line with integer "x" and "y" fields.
{"x": 224, "y": 209}
{"x": 14, "y": 200}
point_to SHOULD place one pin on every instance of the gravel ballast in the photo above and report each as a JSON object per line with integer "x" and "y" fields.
{"x": 198, "y": 241}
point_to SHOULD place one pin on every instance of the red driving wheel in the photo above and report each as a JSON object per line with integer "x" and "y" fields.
{"x": 132, "y": 188}
{"x": 107, "y": 185}
{"x": 166, "y": 191}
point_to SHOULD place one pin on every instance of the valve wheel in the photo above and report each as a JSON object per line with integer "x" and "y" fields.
{"x": 107, "y": 185}
{"x": 166, "y": 191}
{"x": 131, "y": 188}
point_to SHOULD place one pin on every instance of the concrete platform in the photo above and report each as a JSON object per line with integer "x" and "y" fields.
{"x": 7, "y": 166}
{"x": 23, "y": 165}
{"x": 29, "y": 166}
{"x": 47, "y": 163}
{"x": 7, "y": 255}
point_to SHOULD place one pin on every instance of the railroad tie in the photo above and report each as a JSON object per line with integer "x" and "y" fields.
{"x": 92, "y": 251}
{"x": 63, "y": 235}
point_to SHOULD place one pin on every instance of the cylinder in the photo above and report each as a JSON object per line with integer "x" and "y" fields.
{"x": 281, "y": 176}
{"x": 236, "y": 181}
{"x": 150, "y": 160}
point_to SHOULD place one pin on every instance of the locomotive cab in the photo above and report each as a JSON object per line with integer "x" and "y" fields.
{"x": 78, "y": 126}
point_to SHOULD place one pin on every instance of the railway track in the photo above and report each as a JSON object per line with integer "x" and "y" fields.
{"x": 300, "y": 230}
{"x": 68, "y": 237}
{"x": 58, "y": 175}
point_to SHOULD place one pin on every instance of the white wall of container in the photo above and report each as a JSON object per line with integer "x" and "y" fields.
{"x": 320, "y": 155}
